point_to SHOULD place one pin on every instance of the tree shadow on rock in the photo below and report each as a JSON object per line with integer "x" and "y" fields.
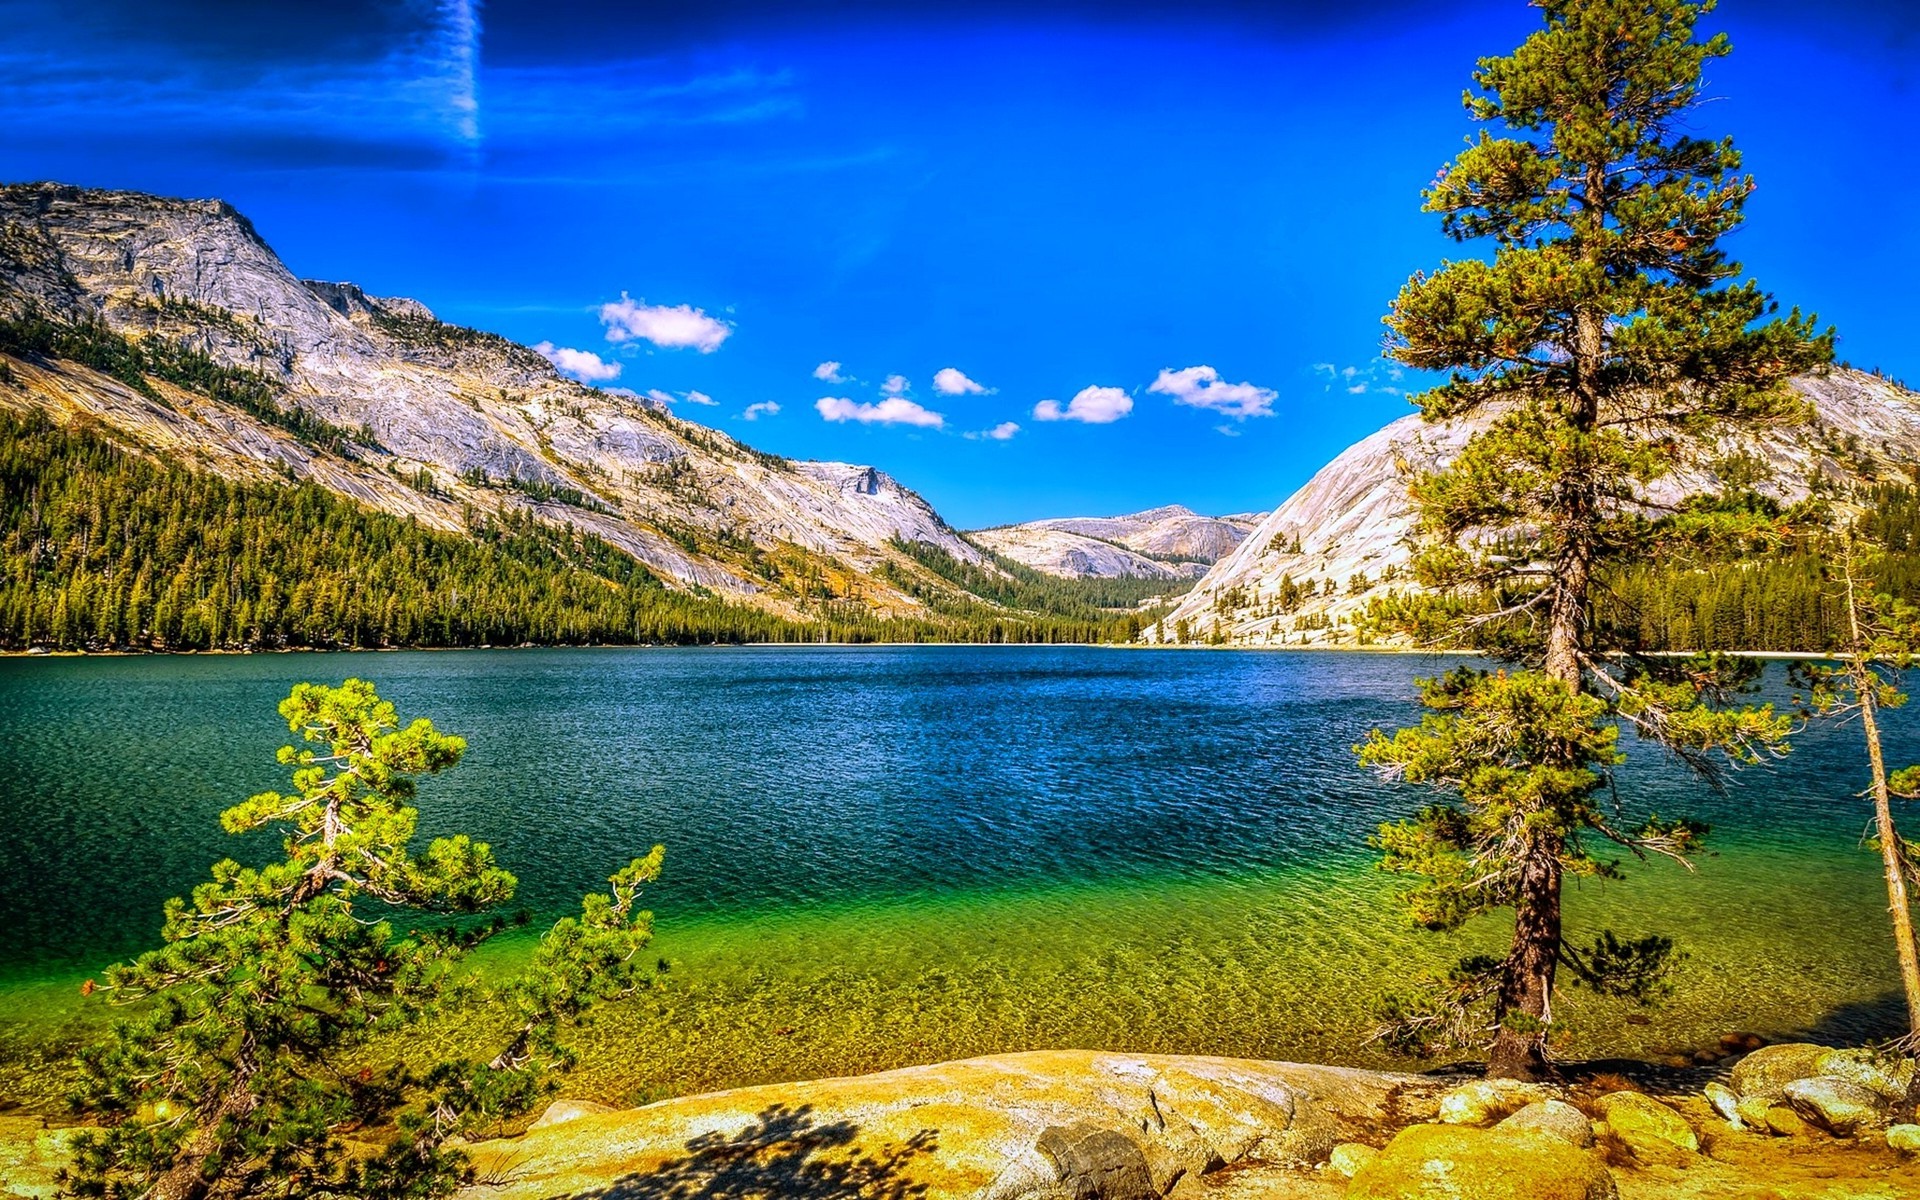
{"x": 784, "y": 1154}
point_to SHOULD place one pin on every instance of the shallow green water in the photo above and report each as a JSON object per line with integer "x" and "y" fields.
{"x": 883, "y": 856}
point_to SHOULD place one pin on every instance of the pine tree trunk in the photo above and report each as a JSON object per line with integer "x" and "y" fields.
{"x": 1526, "y": 985}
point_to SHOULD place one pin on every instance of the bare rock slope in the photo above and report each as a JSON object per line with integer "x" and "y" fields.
{"x": 1171, "y": 542}
{"x": 1345, "y": 536}
{"x": 480, "y": 420}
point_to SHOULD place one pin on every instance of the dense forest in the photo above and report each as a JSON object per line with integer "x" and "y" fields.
{"x": 1782, "y": 599}
{"x": 103, "y": 548}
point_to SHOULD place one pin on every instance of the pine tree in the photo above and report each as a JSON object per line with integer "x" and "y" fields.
{"x": 1605, "y": 329}
{"x": 1882, "y": 636}
{"x": 236, "y": 1076}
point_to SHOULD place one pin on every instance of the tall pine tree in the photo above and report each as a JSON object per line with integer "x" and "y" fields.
{"x": 1604, "y": 333}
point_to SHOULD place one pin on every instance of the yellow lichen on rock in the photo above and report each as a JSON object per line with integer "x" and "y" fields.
{"x": 1459, "y": 1162}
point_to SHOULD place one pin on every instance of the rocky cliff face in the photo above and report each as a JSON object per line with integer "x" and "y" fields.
{"x": 489, "y": 422}
{"x": 1347, "y": 533}
{"x": 1171, "y": 542}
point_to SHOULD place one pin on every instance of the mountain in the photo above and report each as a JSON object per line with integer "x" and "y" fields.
{"x": 1345, "y": 538}
{"x": 1170, "y": 542}
{"x": 172, "y": 327}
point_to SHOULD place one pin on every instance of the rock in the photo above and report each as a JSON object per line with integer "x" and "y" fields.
{"x": 1836, "y": 1105}
{"x": 1781, "y": 1121}
{"x": 1556, "y": 1117}
{"x": 1455, "y": 1162}
{"x": 1885, "y": 1075}
{"x": 1725, "y": 1102}
{"x": 1905, "y": 1138}
{"x": 1041, "y": 1125}
{"x": 1765, "y": 1074}
{"x": 562, "y": 1111}
{"x": 1092, "y": 1163}
{"x": 1753, "y": 1113}
{"x": 1349, "y": 1157}
{"x": 1485, "y": 1101}
{"x": 1649, "y": 1128}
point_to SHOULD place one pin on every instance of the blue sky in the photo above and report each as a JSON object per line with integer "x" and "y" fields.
{"x": 1075, "y": 203}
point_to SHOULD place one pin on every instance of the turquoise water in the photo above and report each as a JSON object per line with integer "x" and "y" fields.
{"x": 888, "y": 855}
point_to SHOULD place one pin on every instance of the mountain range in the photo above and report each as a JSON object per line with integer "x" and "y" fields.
{"x": 170, "y": 327}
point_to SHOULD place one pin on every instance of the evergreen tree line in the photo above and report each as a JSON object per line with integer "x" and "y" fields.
{"x": 101, "y": 548}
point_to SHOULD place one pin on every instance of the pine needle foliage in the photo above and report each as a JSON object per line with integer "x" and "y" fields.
{"x": 1606, "y": 332}
{"x": 242, "y": 1070}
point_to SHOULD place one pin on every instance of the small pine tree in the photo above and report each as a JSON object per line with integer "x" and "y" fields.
{"x": 1605, "y": 329}
{"x": 234, "y": 1076}
{"x": 1882, "y": 634}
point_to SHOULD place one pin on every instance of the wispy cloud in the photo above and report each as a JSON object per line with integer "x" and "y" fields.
{"x": 829, "y": 372}
{"x": 666, "y": 397}
{"x": 896, "y": 385}
{"x": 951, "y": 381}
{"x": 894, "y": 410}
{"x": 764, "y": 408}
{"x": 1202, "y": 387}
{"x": 584, "y": 365}
{"x": 1092, "y": 405}
{"x": 670, "y": 327}
{"x": 1002, "y": 432}
{"x": 1377, "y": 376}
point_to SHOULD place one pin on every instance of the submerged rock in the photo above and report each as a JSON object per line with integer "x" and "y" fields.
{"x": 1556, "y": 1117}
{"x": 1649, "y": 1128}
{"x": 1765, "y": 1074}
{"x": 1456, "y": 1162}
{"x": 1485, "y": 1101}
{"x": 1835, "y": 1105}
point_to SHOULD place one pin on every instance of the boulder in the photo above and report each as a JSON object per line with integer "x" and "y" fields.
{"x": 1556, "y": 1117}
{"x": 1725, "y": 1102}
{"x": 1349, "y": 1157}
{"x": 1905, "y": 1138}
{"x": 1885, "y": 1075}
{"x": 1836, "y": 1105}
{"x": 562, "y": 1111}
{"x": 1753, "y": 1113}
{"x": 1765, "y": 1074}
{"x": 1485, "y": 1101}
{"x": 1457, "y": 1162}
{"x": 1781, "y": 1121}
{"x": 1649, "y": 1128}
{"x": 1091, "y": 1163}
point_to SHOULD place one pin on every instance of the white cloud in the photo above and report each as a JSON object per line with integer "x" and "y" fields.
{"x": 666, "y": 397}
{"x": 999, "y": 433}
{"x": 896, "y": 385}
{"x": 950, "y": 381}
{"x": 894, "y": 410}
{"x": 1093, "y": 405}
{"x": 1378, "y": 376}
{"x": 1201, "y": 387}
{"x": 584, "y": 365}
{"x": 829, "y": 372}
{"x": 630, "y": 320}
{"x": 765, "y": 408}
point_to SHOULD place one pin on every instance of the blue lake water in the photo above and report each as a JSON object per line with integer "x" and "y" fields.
{"x": 887, "y": 855}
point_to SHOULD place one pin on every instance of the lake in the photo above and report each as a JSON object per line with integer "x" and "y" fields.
{"x": 879, "y": 856}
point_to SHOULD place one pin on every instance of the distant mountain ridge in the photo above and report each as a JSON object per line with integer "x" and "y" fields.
{"x": 443, "y": 419}
{"x": 1345, "y": 538}
{"x": 1169, "y": 542}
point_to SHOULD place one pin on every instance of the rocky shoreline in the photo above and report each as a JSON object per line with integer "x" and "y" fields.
{"x": 1787, "y": 1122}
